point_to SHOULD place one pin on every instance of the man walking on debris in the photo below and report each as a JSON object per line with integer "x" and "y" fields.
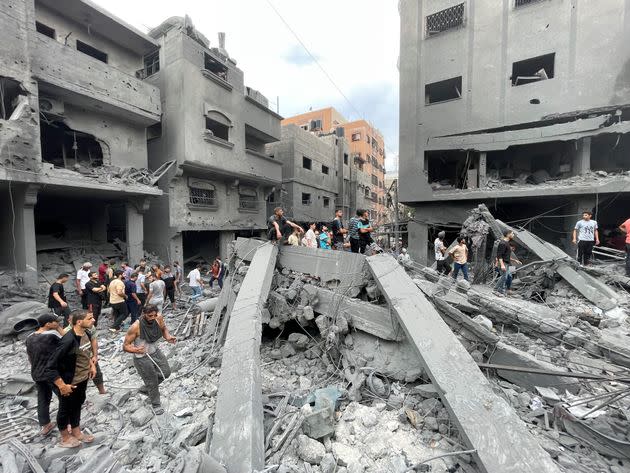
{"x": 57, "y": 301}
{"x": 95, "y": 292}
{"x": 141, "y": 288}
{"x": 625, "y": 228}
{"x": 171, "y": 283}
{"x": 277, "y": 222}
{"x": 587, "y": 234}
{"x": 70, "y": 368}
{"x": 134, "y": 304}
{"x": 150, "y": 362}
{"x": 460, "y": 257}
{"x": 157, "y": 290}
{"x": 365, "y": 231}
{"x": 338, "y": 230}
{"x": 442, "y": 265}
{"x": 196, "y": 283}
{"x": 353, "y": 231}
{"x": 503, "y": 261}
{"x": 83, "y": 276}
{"x": 40, "y": 346}
{"x": 117, "y": 300}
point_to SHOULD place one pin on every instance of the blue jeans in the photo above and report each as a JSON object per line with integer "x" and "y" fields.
{"x": 505, "y": 280}
{"x": 219, "y": 278}
{"x": 196, "y": 292}
{"x": 463, "y": 267}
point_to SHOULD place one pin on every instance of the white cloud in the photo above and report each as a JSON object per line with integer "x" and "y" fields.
{"x": 355, "y": 41}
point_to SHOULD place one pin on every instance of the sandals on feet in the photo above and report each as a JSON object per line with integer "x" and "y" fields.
{"x": 85, "y": 438}
{"x": 47, "y": 429}
{"x": 70, "y": 442}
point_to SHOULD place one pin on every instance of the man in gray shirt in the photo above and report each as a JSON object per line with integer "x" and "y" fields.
{"x": 586, "y": 235}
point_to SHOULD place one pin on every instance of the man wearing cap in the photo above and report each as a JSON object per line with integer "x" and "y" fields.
{"x": 83, "y": 276}
{"x": 440, "y": 254}
{"x": 40, "y": 345}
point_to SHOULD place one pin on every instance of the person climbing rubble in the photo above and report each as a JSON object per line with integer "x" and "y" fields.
{"x": 117, "y": 300}
{"x": 625, "y": 228}
{"x": 502, "y": 263}
{"x": 459, "y": 253}
{"x": 195, "y": 282}
{"x": 57, "y": 301}
{"x": 83, "y": 276}
{"x": 70, "y": 368}
{"x": 171, "y": 284}
{"x": 441, "y": 261}
{"x": 151, "y": 364}
{"x": 40, "y": 346}
{"x": 585, "y": 235}
{"x": 95, "y": 293}
{"x": 157, "y": 292}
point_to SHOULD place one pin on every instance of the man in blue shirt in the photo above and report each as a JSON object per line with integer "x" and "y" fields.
{"x": 324, "y": 238}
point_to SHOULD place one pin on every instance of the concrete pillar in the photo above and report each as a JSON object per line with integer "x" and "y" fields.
{"x": 176, "y": 249}
{"x": 418, "y": 240}
{"x": 135, "y": 232}
{"x": 23, "y": 248}
{"x": 582, "y": 162}
{"x": 483, "y": 169}
{"x": 225, "y": 238}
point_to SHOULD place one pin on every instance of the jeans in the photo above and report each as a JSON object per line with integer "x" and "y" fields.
{"x": 505, "y": 280}
{"x": 196, "y": 293}
{"x": 220, "y": 279}
{"x": 84, "y": 303}
{"x": 463, "y": 267}
{"x": 44, "y": 396}
{"x": 585, "y": 252}
{"x": 69, "y": 412}
{"x": 151, "y": 375}
{"x": 120, "y": 313}
{"x": 443, "y": 267}
{"x": 64, "y": 313}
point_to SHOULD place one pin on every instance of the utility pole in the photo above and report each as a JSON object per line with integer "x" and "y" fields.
{"x": 396, "y": 228}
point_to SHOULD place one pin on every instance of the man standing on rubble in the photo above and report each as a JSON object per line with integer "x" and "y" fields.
{"x": 586, "y": 235}
{"x": 133, "y": 302}
{"x": 503, "y": 261}
{"x": 83, "y": 276}
{"x": 157, "y": 292}
{"x": 353, "y": 231}
{"x": 95, "y": 292}
{"x": 441, "y": 262}
{"x": 57, "y": 301}
{"x": 70, "y": 368}
{"x": 460, "y": 257}
{"x": 277, "y": 222}
{"x": 338, "y": 231}
{"x": 117, "y": 300}
{"x": 171, "y": 283}
{"x": 196, "y": 283}
{"x": 40, "y": 346}
{"x": 141, "y": 288}
{"x": 150, "y": 362}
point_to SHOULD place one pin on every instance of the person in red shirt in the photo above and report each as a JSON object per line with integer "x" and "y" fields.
{"x": 102, "y": 271}
{"x": 625, "y": 228}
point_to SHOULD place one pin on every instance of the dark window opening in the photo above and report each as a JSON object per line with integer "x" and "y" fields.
{"x": 306, "y": 198}
{"x": 316, "y": 125}
{"x": 326, "y": 202}
{"x": 446, "y": 19}
{"x": 154, "y": 131}
{"x": 254, "y": 142}
{"x": 151, "y": 63}
{"x": 202, "y": 196}
{"x": 91, "y": 51}
{"x": 442, "y": 91}
{"x": 374, "y": 180}
{"x": 345, "y": 158}
{"x": 533, "y": 70}
{"x": 324, "y": 169}
{"x": 367, "y": 193}
{"x": 271, "y": 198}
{"x": 216, "y": 129}
{"x": 10, "y": 93}
{"x": 610, "y": 153}
{"x": 247, "y": 199}
{"x": 520, "y": 3}
{"x": 67, "y": 148}
{"x": 307, "y": 163}
{"x": 45, "y": 30}
{"x": 216, "y": 67}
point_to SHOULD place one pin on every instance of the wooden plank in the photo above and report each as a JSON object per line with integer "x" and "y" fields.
{"x": 485, "y": 421}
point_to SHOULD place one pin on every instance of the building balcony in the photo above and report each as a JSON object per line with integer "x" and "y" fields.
{"x": 261, "y": 122}
{"x": 75, "y": 77}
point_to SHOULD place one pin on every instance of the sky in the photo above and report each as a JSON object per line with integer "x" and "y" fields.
{"x": 355, "y": 41}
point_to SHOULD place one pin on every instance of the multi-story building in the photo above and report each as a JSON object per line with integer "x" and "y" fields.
{"x": 73, "y": 120}
{"x": 215, "y": 129}
{"x": 318, "y": 176}
{"x": 367, "y": 152}
{"x": 520, "y": 104}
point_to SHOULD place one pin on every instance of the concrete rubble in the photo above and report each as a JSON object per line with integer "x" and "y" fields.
{"x": 332, "y": 362}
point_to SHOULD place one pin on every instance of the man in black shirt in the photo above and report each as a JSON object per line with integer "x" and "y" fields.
{"x": 338, "y": 231}
{"x": 277, "y": 222}
{"x": 95, "y": 292}
{"x": 57, "y": 298}
{"x": 503, "y": 260}
{"x": 170, "y": 284}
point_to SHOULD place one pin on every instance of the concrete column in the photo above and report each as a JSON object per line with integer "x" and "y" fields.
{"x": 582, "y": 162}
{"x": 418, "y": 238}
{"x": 22, "y": 244}
{"x": 176, "y": 249}
{"x": 225, "y": 238}
{"x": 483, "y": 169}
{"x": 135, "y": 233}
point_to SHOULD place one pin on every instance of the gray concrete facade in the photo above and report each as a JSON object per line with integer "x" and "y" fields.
{"x": 215, "y": 128}
{"x": 496, "y": 94}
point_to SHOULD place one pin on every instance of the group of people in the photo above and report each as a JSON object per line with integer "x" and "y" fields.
{"x": 356, "y": 238}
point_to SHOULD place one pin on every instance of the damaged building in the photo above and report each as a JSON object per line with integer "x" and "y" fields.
{"x": 214, "y": 129}
{"x": 522, "y": 105}
{"x": 73, "y": 121}
{"x": 318, "y": 176}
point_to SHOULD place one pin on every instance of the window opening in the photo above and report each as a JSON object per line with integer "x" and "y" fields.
{"x": 216, "y": 67}
{"x": 326, "y": 202}
{"x": 151, "y": 63}
{"x": 533, "y": 70}
{"x": 306, "y": 198}
{"x": 356, "y": 136}
{"x": 307, "y": 163}
{"x": 446, "y": 19}
{"x": 45, "y": 30}
{"x": 324, "y": 169}
{"x": 443, "y": 90}
{"x": 91, "y": 51}
{"x": 247, "y": 198}
{"x": 217, "y": 129}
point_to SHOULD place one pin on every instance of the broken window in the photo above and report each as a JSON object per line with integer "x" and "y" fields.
{"x": 202, "y": 193}
{"x": 442, "y": 91}
{"x": 533, "y": 70}
{"x": 324, "y": 169}
{"x": 306, "y": 198}
{"x": 215, "y": 66}
{"x": 520, "y": 3}
{"x": 374, "y": 180}
{"x": 154, "y": 131}
{"x": 316, "y": 125}
{"x": 304, "y": 127}
{"x": 217, "y": 129}
{"x": 367, "y": 193}
{"x": 446, "y": 19}
{"x": 326, "y": 202}
{"x": 307, "y": 163}
{"x": 247, "y": 198}
{"x": 10, "y": 93}
{"x": 151, "y": 63}
{"x": 68, "y": 148}
{"x": 356, "y": 136}
{"x": 45, "y": 30}
{"x": 345, "y": 158}
{"x": 91, "y": 51}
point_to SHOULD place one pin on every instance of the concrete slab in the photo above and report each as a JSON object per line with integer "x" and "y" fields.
{"x": 485, "y": 421}
{"x": 238, "y": 433}
{"x": 369, "y": 318}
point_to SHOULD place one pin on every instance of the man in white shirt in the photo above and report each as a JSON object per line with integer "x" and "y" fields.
{"x": 195, "y": 282}
{"x": 83, "y": 276}
{"x": 310, "y": 239}
{"x": 440, "y": 254}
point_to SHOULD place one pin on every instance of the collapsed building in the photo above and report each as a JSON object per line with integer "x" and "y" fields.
{"x": 514, "y": 104}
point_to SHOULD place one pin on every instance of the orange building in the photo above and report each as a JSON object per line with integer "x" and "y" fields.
{"x": 367, "y": 149}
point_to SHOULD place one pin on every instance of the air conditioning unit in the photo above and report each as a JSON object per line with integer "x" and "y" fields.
{"x": 51, "y": 106}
